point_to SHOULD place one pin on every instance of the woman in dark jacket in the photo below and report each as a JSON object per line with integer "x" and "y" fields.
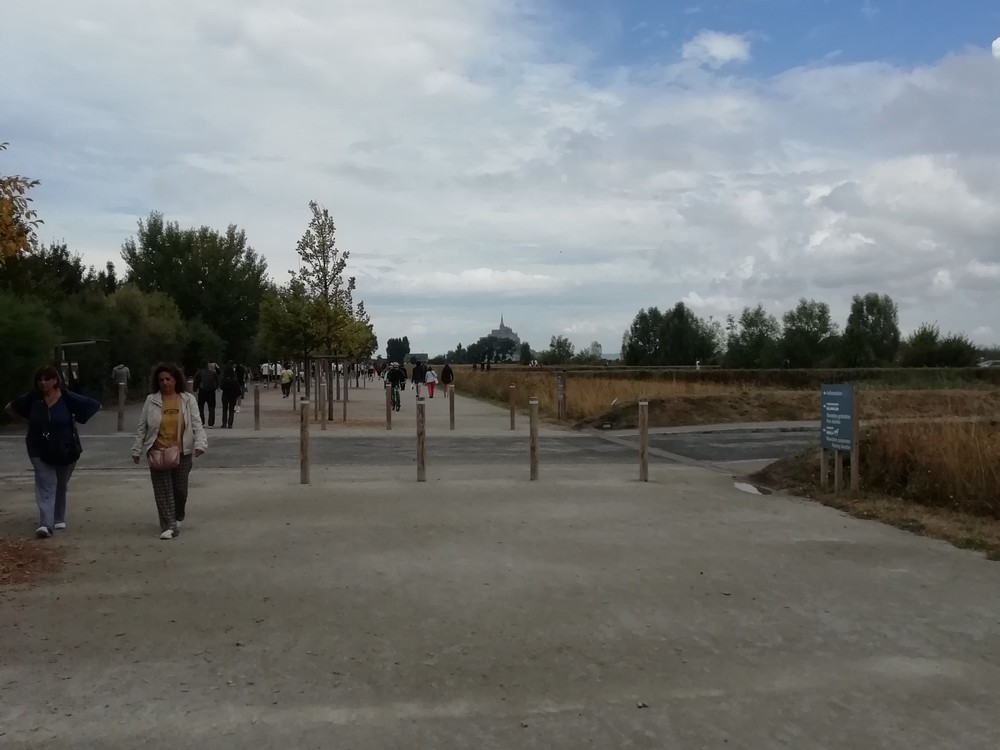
{"x": 53, "y": 443}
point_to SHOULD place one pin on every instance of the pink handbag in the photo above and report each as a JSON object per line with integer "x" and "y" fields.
{"x": 165, "y": 459}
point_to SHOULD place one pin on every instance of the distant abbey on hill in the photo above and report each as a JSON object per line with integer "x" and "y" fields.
{"x": 504, "y": 332}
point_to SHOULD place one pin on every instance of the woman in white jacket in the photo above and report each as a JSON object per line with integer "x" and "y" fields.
{"x": 169, "y": 436}
{"x": 430, "y": 380}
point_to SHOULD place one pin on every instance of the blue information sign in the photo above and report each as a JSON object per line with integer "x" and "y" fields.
{"x": 836, "y": 419}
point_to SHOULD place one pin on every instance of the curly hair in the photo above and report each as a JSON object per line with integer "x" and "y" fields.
{"x": 180, "y": 381}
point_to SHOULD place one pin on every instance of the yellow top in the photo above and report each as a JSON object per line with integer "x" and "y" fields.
{"x": 169, "y": 423}
{"x": 286, "y": 376}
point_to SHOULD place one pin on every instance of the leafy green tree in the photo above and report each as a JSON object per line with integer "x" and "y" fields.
{"x": 53, "y": 273}
{"x": 397, "y": 349}
{"x": 560, "y": 351}
{"x": 925, "y": 348}
{"x": 27, "y": 339}
{"x": 286, "y": 329}
{"x": 871, "y": 337}
{"x": 641, "y": 342}
{"x": 18, "y": 220}
{"x": 810, "y": 335}
{"x": 592, "y": 355}
{"x": 211, "y": 275}
{"x": 753, "y": 340}
{"x": 525, "y": 353}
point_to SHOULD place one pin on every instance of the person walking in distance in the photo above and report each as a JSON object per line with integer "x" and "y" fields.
{"x": 170, "y": 435}
{"x": 230, "y": 394}
{"x": 206, "y": 383}
{"x": 120, "y": 375}
{"x": 53, "y": 442}
{"x": 241, "y": 378}
{"x": 286, "y": 380}
{"x": 447, "y": 376}
{"x": 430, "y": 380}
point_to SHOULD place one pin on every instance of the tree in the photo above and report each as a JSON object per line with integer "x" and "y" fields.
{"x": 525, "y": 353}
{"x": 593, "y": 354}
{"x": 677, "y": 337}
{"x": 322, "y": 273}
{"x": 211, "y": 275}
{"x": 753, "y": 340}
{"x": 560, "y": 351}
{"x": 28, "y": 337}
{"x": 52, "y": 274}
{"x": 396, "y": 350}
{"x": 925, "y": 348}
{"x": 871, "y": 336}
{"x": 18, "y": 220}
{"x": 641, "y": 343}
{"x": 810, "y": 334}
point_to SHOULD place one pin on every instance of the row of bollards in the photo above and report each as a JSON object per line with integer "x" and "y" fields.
{"x": 304, "y": 403}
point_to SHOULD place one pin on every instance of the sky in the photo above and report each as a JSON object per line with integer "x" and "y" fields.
{"x": 563, "y": 163}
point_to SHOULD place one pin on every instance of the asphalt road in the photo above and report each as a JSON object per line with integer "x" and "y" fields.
{"x": 736, "y": 448}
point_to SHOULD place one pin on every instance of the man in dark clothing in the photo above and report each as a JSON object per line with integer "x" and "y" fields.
{"x": 230, "y": 394}
{"x": 206, "y": 383}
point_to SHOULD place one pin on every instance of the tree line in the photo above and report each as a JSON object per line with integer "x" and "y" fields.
{"x": 804, "y": 337}
{"x": 185, "y": 294}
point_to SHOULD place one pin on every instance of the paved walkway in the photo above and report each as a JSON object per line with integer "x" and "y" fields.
{"x": 481, "y": 610}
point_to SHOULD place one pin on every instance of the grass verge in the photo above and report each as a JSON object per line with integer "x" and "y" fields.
{"x": 939, "y": 480}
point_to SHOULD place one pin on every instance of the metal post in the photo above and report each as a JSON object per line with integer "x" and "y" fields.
{"x": 533, "y": 436}
{"x": 121, "y": 407}
{"x": 513, "y": 390}
{"x": 388, "y": 405}
{"x": 855, "y": 451}
{"x": 451, "y": 406}
{"x": 256, "y": 407}
{"x": 421, "y": 440}
{"x": 304, "y": 441}
{"x": 643, "y": 441}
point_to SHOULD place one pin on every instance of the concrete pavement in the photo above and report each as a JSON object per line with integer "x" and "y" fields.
{"x": 480, "y": 610}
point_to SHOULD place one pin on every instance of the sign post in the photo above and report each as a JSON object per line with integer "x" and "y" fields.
{"x": 839, "y": 432}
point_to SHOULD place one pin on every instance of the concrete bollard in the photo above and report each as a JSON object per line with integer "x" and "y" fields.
{"x": 643, "y": 441}
{"x": 388, "y": 406}
{"x": 121, "y": 407}
{"x": 256, "y": 407}
{"x": 513, "y": 413}
{"x": 304, "y": 441}
{"x": 533, "y": 439}
{"x": 451, "y": 406}
{"x": 421, "y": 440}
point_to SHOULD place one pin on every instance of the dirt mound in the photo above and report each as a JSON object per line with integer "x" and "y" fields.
{"x": 26, "y": 561}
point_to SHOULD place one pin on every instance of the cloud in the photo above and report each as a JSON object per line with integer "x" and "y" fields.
{"x": 474, "y": 169}
{"x": 996, "y": 48}
{"x": 715, "y": 49}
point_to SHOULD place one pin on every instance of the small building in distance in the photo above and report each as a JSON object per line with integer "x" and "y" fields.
{"x": 504, "y": 332}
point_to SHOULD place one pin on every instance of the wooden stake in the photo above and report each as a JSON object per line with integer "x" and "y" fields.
{"x": 421, "y": 440}
{"x": 643, "y": 441}
{"x": 824, "y": 470}
{"x": 346, "y": 386}
{"x": 838, "y": 471}
{"x": 533, "y": 437}
{"x": 121, "y": 407}
{"x": 322, "y": 406}
{"x": 513, "y": 413}
{"x": 256, "y": 407}
{"x": 855, "y": 451}
{"x": 304, "y": 441}
{"x": 451, "y": 406}
{"x": 388, "y": 405}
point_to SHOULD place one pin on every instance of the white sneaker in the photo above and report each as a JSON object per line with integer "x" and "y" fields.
{"x": 168, "y": 534}
{"x": 237, "y": 410}
{"x": 60, "y": 526}
{"x": 42, "y": 532}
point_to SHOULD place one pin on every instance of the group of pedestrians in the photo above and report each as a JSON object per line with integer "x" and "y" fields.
{"x": 232, "y": 381}
{"x": 169, "y": 436}
{"x": 423, "y": 375}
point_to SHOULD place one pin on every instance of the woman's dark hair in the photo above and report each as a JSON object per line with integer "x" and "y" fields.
{"x": 48, "y": 371}
{"x": 180, "y": 381}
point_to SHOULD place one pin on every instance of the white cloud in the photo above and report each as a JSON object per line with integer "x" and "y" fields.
{"x": 996, "y": 48}
{"x": 715, "y": 49}
{"x": 469, "y": 170}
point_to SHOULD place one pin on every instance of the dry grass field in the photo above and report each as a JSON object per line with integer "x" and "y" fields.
{"x": 599, "y": 400}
